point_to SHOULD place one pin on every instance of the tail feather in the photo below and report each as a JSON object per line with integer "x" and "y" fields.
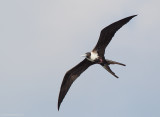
{"x": 114, "y": 62}
{"x": 109, "y": 70}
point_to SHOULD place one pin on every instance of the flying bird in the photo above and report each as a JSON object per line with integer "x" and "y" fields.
{"x": 96, "y": 56}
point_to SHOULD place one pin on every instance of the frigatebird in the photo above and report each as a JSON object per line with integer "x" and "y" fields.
{"x": 96, "y": 56}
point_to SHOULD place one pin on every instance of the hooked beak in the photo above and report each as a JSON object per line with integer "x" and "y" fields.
{"x": 84, "y": 55}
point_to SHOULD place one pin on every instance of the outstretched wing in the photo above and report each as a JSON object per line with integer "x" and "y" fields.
{"x": 107, "y": 33}
{"x": 70, "y": 77}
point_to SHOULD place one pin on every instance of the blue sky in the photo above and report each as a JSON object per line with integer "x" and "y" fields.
{"x": 41, "y": 40}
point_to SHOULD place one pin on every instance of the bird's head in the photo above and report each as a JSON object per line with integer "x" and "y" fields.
{"x": 86, "y": 55}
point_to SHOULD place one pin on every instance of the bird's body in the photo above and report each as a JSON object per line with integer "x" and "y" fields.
{"x": 91, "y": 56}
{"x": 96, "y": 56}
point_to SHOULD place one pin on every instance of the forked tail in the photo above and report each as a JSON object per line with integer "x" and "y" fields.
{"x": 114, "y": 62}
{"x": 109, "y": 70}
{"x": 106, "y": 66}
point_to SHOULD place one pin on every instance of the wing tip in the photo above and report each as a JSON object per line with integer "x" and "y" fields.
{"x": 116, "y": 76}
{"x": 130, "y": 17}
{"x": 59, "y": 101}
{"x": 58, "y": 107}
{"x": 133, "y": 16}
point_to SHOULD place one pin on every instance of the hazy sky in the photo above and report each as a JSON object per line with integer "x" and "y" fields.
{"x": 41, "y": 40}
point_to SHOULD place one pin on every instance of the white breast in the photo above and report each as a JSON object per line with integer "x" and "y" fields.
{"x": 94, "y": 56}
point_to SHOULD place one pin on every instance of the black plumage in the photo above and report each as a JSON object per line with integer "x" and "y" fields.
{"x": 71, "y": 76}
{"x": 96, "y": 56}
